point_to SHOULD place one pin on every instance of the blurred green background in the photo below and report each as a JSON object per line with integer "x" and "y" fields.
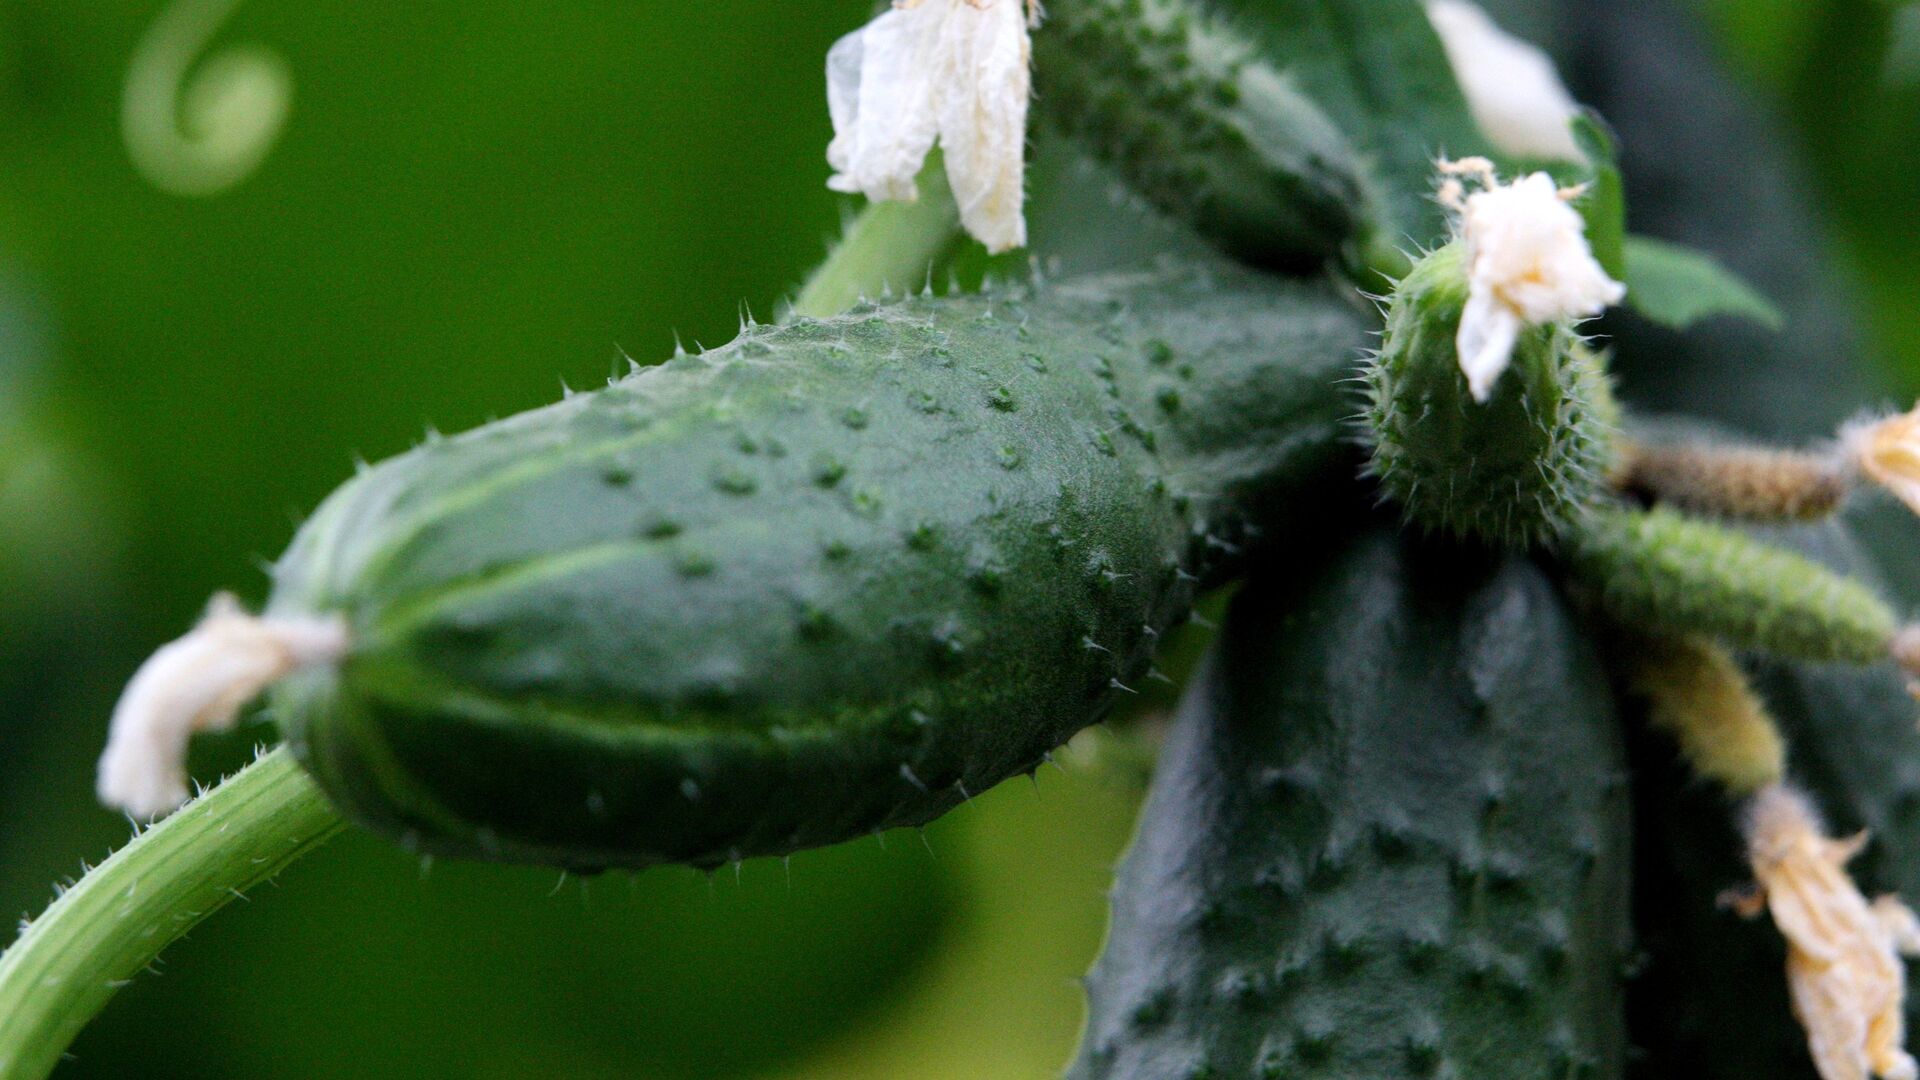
{"x": 471, "y": 203}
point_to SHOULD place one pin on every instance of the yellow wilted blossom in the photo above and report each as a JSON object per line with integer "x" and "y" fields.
{"x": 1888, "y": 451}
{"x": 1844, "y": 971}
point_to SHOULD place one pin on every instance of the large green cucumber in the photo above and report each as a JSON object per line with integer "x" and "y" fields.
{"x": 1388, "y": 839}
{"x": 828, "y": 579}
{"x": 1185, "y": 107}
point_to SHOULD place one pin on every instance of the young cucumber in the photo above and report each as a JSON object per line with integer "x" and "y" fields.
{"x": 1388, "y": 839}
{"x": 829, "y": 579}
{"x": 1517, "y": 469}
{"x": 1186, "y": 109}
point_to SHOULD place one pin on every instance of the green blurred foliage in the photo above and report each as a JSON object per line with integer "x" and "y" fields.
{"x": 1845, "y": 74}
{"x": 472, "y": 202}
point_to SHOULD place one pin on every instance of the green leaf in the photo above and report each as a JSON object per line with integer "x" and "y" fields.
{"x": 1679, "y": 286}
{"x": 1605, "y": 204}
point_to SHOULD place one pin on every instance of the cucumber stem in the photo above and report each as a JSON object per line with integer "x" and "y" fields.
{"x": 115, "y": 920}
{"x": 891, "y": 246}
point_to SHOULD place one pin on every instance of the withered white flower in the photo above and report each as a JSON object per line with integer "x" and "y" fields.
{"x": 1844, "y": 972}
{"x": 1888, "y": 452}
{"x": 1528, "y": 264}
{"x": 956, "y": 71}
{"x": 1512, "y": 88}
{"x": 199, "y": 683}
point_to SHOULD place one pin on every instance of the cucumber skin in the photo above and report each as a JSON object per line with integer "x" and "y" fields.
{"x": 1202, "y": 126}
{"x": 1388, "y": 839}
{"x": 831, "y": 578}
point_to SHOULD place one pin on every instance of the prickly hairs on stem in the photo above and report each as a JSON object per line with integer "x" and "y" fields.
{"x": 1727, "y": 479}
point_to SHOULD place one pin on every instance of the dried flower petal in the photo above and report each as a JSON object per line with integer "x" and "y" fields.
{"x": 955, "y": 71}
{"x": 1888, "y": 451}
{"x": 1844, "y": 971}
{"x": 199, "y": 683}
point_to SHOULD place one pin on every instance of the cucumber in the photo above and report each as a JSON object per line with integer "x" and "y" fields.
{"x": 1388, "y": 838}
{"x": 831, "y": 578}
{"x": 1516, "y": 470}
{"x": 1188, "y": 111}
{"x": 1659, "y": 570}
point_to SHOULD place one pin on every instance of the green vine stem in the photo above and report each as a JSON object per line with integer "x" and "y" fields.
{"x": 891, "y": 246}
{"x": 118, "y": 917}
{"x": 115, "y": 920}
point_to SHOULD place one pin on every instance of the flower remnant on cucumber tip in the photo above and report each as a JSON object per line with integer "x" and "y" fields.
{"x": 1887, "y": 451}
{"x": 1844, "y": 969}
{"x": 1528, "y": 263}
{"x": 954, "y": 71}
{"x": 197, "y": 683}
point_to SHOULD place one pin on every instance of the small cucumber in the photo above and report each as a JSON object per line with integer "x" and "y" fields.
{"x": 1187, "y": 110}
{"x": 1388, "y": 839}
{"x": 1659, "y": 570}
{"x": 831, "y": 578}
{"x": 1516, "y": 470}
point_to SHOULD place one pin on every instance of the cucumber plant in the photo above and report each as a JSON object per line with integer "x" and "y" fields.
{"x": 851, "y": 568}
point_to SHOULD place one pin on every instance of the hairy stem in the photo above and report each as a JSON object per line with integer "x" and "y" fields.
{"x": 891, "y": 246}
{"x": 117, "y": 918}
